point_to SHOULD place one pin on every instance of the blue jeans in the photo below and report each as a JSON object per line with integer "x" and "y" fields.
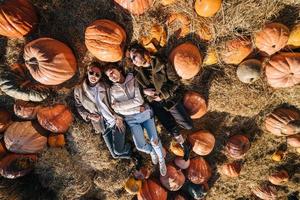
{"x": 139, "y": 122}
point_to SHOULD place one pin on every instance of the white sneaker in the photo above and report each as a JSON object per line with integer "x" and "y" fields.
{"x": 154, "y": 157}
{"x": 162, "y": 168}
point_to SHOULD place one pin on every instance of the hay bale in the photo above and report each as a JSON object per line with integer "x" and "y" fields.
{"x": 57, "y": 171}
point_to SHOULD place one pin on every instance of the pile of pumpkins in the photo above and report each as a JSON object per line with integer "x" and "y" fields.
{"x": 22, "y": 139}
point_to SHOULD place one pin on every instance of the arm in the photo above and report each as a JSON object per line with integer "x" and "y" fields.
{"x": 81, "y": 110}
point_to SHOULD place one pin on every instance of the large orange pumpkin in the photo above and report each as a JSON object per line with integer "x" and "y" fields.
{"x": 57, "y": 118}
{"x": 194, "y": 104}
{"x": 237, "y": 146}
{"x": 199, "y": 171}
{"x": 173, "y": 180}
{"x": 136, "y": 7}
{"x": 266, "y": 192}
{"x": 105, "y": 39}
{"x": 17, "y": 165}
{"x": 283, "y": 70}
{"x": 17, "y": 18}
{"x": 207, "y": 8}
{"x": 236, "y": 50}
{"x": 278, "y": 122}
{"x": 56, "y": 140}
{"x": 272, "y": 38}
{"x": 24, "y": 137}
{"x": 186, "y": 59}
{"x": 151, "y": 190}
{"x": 25, "y": 109}
{"x": 49, "y": 61}
{"x": 5, "y": 119}
{"x": 203, "y": 142}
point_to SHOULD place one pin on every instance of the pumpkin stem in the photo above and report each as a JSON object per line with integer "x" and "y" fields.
{"x": 33, "y": 63}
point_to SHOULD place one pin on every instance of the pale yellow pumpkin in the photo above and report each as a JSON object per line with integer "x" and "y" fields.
{"x": 294, "y": 38}
{"x": 211, "y": 57}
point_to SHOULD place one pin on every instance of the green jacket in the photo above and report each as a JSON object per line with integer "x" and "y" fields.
{"x": 163, "y": 78}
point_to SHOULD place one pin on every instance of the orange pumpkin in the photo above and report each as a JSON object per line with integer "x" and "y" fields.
{"x": 231, "y": 169}
{"x": 279, "y": 178}
{"x": 24, "y": 137}
{"x": 199, "y": 171}
{"x": 173, "y": 180}
{"x": 237, "y": 146}
{"x": 207, "y": 8}
{"x": 5, "y": 119}
{"x": 25, "y": 109}
{"x": 3, "y": 150}
{"x": 105, "y": 39}
{"x": 17, "y": 18}
{"x": 132, "y": 185}
{"x": 266, "y": 192}
{"x": 194, "y": 104}
{"x": 283, "y": 70}
{"x": 203, "y": 142}
{"x": 279, "y": 121}
{"x": 186, "y": 59}
{"x": 136, "y": 7}
{"x": 57, "y": 118}
{"x": 176, "y": 149}
{"x": 17, "y": 165}
{"x": 181, "y": 163}
{"x": 236, "y": 50}
{"x": 56, "y": 140}
{"x": 294, "y": 140}
{"x": 272, "y": 38}
{"x": 49, "y": 61}
{"x": 181, "y": 20}
{"x": 151, "y": 190}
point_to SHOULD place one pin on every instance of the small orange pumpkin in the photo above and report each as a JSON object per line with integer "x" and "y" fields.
{"x": 186, "y": 59}
{"x": 181, "y": 20}
{"x": 194, "y": 104}
{"x": 49, "y": 61}
{"x": 132, "y": 185}
{"x": 25, "y": 109}
{"x": 151, "y": 190}
{"x": 264, "y": 191}
{"x": 237, "y": 146}
{"x": 283, "y": 70}
{"x": 56, "y": 140}
{"x": 207, "y": 8}
{"x": 236, "y": 50}
{"x": 17, "y": 165}
{"x": 17, "y": 18}
{"x": 181, "y": 163}
{"x": 105, "y": 39}
{"x": 176, "y": 149}
{"x": 272, "y": 38}
{"x": 279, "y": 121}
{"x": 294, "y": 140}
{"x": 136, "y": 7}
{"x": 203, "y": 142}
{"x": 279, "y": 178}
{"x": 199, "y": 171}
{"x": 173, "y": 180}
{"x": 231, "y": 169}
{"x": 57, "y": 118}
{"x": 5, "y": 119}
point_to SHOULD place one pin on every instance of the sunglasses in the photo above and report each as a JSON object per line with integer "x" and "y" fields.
{"x": 92, "y": 73}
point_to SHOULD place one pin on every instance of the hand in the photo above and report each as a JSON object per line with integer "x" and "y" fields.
{"x": 120, "y": 124}
{"x": 149, "y": 92}
{"x": 157, "y": 98}
{"x": 94, "y": 117}
{"x": 142, "y": 109}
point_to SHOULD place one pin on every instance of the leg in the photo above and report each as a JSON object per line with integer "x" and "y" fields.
{"x": 107, "y": 136}
{"x": 120, "y": 147}
{"x": 181, "y": 116}
{"x": 139, "y": 139}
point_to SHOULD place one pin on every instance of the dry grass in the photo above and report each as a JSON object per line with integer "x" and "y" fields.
{"x": 85, "y": 169}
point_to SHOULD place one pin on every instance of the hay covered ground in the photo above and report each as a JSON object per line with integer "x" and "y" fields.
{"x": 85, "y": 170}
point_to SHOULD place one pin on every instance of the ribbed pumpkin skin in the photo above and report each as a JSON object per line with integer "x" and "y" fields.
{"x": 203, "y": 142}
{"x": 57, "y": 118}
{"x": 17, "y": 18}
{"x": 5, "y": 119}
{"x": 186, "y": 59}
{"x": 277, "y": 122}
{"x": 182, "y": 164}
{"x": 56, "y": 140}
{"x": 194, "y": 104}
{"x": 283, "y": 70}
{"x": 105, "y": 39}
{"x": 271, "y": 38}
{"x": 231, "y": 169}
{"x": 236, "y": 50}
{"x": 133, "y": 186}
{"x": 184, "y": 22}
{"x": 279, "y": 178}
{"x": 207, "y": 8}
{"x": 49, "y": 61}
{"x": 22, "y": 137}
{"x": 265, "y": 192}
{"x": 151, "y": 190}
{"x": 237, "y": 146}
{"x": 25, "y": 109}
{"x": 199, "y": 171}
{"x": 173, "y": 180}
{"x": 136, "y": 7}
{"x": 294, "y": 140}
{"x": 6, "y": 165}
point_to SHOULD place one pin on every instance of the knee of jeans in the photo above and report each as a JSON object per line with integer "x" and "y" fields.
{"x": 155, "y": 142}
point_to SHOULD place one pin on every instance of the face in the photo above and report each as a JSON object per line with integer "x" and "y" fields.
{"x": 139, "y": 59}
{"x": 94, "y": 75}
{"x": 113, "y": 75}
